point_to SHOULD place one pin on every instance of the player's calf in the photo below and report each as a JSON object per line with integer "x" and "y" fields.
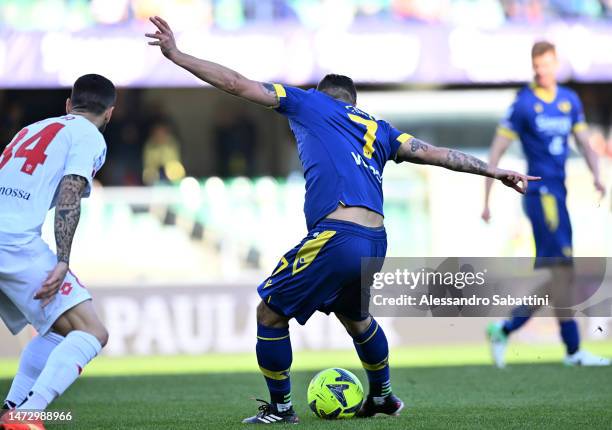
{"x": 373, "y": 350}
{"x": 31, "y": 363}
{"x": 274, "y": 357}
{"x": 84, "y": 338}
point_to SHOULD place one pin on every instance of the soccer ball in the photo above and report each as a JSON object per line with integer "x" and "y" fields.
{"x": 335, "y": 393}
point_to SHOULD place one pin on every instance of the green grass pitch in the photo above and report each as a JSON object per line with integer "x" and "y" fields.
{"x": 443, "y": 388}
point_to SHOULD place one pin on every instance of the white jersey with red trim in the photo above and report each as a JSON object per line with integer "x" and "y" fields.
{"x": 34, "y": 163}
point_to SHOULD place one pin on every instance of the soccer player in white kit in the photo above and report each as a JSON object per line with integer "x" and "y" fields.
{"x": 51, "y": 163}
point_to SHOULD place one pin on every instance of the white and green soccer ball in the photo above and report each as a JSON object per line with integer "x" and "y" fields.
{"x": 334, "y": 394}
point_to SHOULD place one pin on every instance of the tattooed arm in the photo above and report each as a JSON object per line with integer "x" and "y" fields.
{"x": 417, "y": 151}
{"x": 67, "y": 214}
{"x": 215, "y": 74}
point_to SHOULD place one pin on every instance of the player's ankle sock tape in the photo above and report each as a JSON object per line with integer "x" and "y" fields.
{"x": 373, "y": 350}
{"x": 66, "y": 363}
{"x": 31, "y": 363}
{"x": 285, "y": 405}
{"x": 570, "y": 336}
{"x": 274, "y": 357}
{"x": 520, "y": 315}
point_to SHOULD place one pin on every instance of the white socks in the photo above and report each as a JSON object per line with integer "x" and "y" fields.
{"x": 33, "y": 360}
{"x": 63, "y": 367}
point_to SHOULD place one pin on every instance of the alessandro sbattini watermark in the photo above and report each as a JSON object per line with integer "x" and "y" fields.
{"x": 407, "y": 279}
{"x": 485, "y": 286}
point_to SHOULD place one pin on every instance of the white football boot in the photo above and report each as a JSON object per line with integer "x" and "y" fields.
{"x": 585, "y": 358}
{"x": 498, "y": 341}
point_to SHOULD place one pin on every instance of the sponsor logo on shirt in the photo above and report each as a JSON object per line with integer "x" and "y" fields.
{"x": 14, "y": 192}
{"x": 361, "y": 162}
{"x": 554, "y": 124}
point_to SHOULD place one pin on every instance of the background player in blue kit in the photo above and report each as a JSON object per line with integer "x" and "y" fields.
{"x": 343, "y": 151}
{"x": 543, "y": 117}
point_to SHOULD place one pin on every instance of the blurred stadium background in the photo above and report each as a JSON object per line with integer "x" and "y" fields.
{"x": 202, "y": 193}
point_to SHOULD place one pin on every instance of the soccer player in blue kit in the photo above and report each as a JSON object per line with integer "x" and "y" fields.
{"x": 343, "y": 151}
{"x": 543, "y": 117}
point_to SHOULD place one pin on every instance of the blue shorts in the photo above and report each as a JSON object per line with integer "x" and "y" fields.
{"x": 552, "y": 230}
{"x": 323, "y": 272}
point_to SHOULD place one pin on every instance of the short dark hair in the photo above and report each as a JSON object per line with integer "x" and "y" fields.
{"x": 93, "y": 93}
{"x": 338, "y": 86}
{"x": 542, "y": 47}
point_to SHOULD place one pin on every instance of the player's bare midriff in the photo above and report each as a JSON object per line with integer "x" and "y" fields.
{"x": 358, "y": 215}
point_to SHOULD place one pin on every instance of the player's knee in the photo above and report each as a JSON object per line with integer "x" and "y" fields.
{"x": 355, "y": 328}
{"x": 96, "y": 328}
{"x": 101, "y": 334}
{"x": 267, "y": 317}
{"x": 65, "y": 325}
{"x": 103, "y": 338}
{"x": 98, "y": 331}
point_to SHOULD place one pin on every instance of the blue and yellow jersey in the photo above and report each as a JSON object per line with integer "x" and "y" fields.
{"x": 343, "y": 151}
{"x": 543, "y": 122}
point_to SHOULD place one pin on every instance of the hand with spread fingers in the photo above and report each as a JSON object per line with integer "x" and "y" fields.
{"x": 164, "y": 37}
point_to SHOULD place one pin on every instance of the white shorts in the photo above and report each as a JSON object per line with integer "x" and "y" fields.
{"x": 23, "y": 269}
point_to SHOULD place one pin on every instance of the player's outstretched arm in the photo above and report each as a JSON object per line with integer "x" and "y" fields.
{"x": 67, "y": 215}
{"x": 215, "y": 74}
{"x": 417, "y": 151}
{"x": 584, "y": 146}
{"x": 500, "y": 145}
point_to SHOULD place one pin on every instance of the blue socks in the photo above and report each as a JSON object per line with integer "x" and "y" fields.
{"x": 373, "y": 351}
{"x": 274, "y": 357}
{"x": 569, "y": 328}
{"x": 570, "y": 336}
{"x": 520, "y": 315}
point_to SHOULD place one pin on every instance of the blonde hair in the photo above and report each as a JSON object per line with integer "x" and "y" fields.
{"x": 541, "y": 48}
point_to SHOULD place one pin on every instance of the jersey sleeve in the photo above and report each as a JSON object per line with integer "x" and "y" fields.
{"x": 289, "y": 99}
{"x": 578, "y": 118}
{"x": 396, "y": 138}
{"x": 510, "y": 125}
{"x": 85, "y": 158}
